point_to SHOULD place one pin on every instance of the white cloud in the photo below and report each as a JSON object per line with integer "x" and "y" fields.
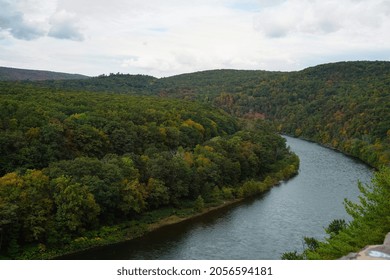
{"x": 314, "y": 31}
{"x": 64, "y": 25}
{"x": 31, "y": 19}
{"x": 14, "y": 22}
{"x": 316, "y": 17}
{"x": 169, "y": 37}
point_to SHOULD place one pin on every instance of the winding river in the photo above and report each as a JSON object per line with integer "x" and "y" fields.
{"x": 262, "y": 228}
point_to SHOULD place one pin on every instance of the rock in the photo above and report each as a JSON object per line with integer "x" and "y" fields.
{"x": 387, "y": 240}
{"x": 350, "y": 256}
{"x": 372, "y": 252}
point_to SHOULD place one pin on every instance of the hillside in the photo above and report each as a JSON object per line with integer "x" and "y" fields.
{"x": 343, "y": 105}
{"x": 126, "y": 147}
{"x": 123, "y": 162}
{"x": 14, "y": 74}
{"x": 113, "y": 83}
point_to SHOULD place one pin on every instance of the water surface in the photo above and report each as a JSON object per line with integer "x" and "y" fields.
{"x": 262, "y": 228}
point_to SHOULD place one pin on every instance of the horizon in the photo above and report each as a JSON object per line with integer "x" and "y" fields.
{"x": 185, "y": 73}
{"x": 167, "y": 39}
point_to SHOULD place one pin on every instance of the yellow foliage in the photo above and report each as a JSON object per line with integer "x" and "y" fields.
{"x": 203, "y": 161}
{"x": 384, "y": 159}
{"x": 33, "y": 133}
{"x": 78, "y": 116}
{"x": 197, "y": 126}
{"x": 338, "y": 115}
{"x": 11, "y": 179}
{"x": 188, "y": 158}
{"x": 144, "y": 158}
{"x": 215, "y": 126}
{"x": 163, "y": 131}
{"x": 208, "y": 148}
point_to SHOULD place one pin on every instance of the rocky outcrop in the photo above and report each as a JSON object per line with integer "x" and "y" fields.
{"x": 372, "y": 252}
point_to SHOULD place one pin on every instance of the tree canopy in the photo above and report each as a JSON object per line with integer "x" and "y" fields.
{"x": 82, "y": 154}
{"x": 74, "y": 162}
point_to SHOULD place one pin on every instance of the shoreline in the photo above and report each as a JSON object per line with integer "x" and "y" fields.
{"x": 174, "y": 219}
{"x": 133, "y": 229}
{"x": 168, "y": 221}
{"x": 328, "y": 146}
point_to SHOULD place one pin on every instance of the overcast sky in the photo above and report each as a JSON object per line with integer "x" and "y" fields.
{"x": 167, "y": 37}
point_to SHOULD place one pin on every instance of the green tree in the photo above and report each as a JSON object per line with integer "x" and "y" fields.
{"x": 369, "y": 224}
{"x": 335, "y": 227}
{"x": 199, "y": 204}
{"x": 36, "y": 206}
{"x": 77, "y": 209}
{"x": 158, "y": 193}
{"x": 132, "y": 198}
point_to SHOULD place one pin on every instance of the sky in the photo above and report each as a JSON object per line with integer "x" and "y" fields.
{"x": 165, "y": 38}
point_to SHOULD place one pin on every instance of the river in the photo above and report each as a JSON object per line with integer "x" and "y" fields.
{"x": 262, "y": 228}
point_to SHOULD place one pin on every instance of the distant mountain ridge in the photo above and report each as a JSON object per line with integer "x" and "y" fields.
{"x": 15, "y": 74}
{"x": 343, "y": 105}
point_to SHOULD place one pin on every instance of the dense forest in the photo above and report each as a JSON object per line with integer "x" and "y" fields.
{"x": 128, "y": 150}
{"x": 75, "y": 166}
{"x": 342, "y": 105}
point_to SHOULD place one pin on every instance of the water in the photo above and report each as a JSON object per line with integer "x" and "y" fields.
{"x": 262, "y": 228}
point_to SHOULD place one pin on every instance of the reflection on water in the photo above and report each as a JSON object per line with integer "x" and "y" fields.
{"x": 262, "y": 228}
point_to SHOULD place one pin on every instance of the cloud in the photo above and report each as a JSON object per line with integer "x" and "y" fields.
{"x": 25, "y": 20}
{"x": 64, "y": 25}
{"x": 13, "y": 21}
{"x": 317, "y": 17}
{"x": 163, "y": 38}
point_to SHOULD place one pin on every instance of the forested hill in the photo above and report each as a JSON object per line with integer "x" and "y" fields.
{"x": 126, "y": 161}
{"x": 14, "y": 74}
{"x": 344, "y": 105}
{"x": 80, "y": 169}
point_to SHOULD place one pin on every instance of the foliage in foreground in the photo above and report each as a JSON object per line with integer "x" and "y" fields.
{"x": 371, "y": 222}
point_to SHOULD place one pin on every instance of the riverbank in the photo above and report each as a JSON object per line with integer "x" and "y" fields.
{"x": 339, "y": 150}
{"x": 207, "y": 237}
{"x": 156, "y": 219}
{"x": 174, "y": 219}
{"x": 126, "y": 233}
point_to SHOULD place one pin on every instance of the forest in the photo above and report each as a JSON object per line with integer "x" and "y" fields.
{"x": 128, "y": 150}
{"x": 342, "y": 105}
{"x": 78, "y": 168}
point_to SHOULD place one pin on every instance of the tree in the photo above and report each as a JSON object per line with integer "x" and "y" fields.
{"x": 292, "y": 256}
{"x": 9, "y": 226}
{"x": 199, "y": 204}
{"x": 132, "y": 198}
{"x": 335, "y": 227}
{"x": 369, "y": 224}
{"x": 77, "y": 209}
{"x": 36, "y": 206}
{"x": 158, "y": 194}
